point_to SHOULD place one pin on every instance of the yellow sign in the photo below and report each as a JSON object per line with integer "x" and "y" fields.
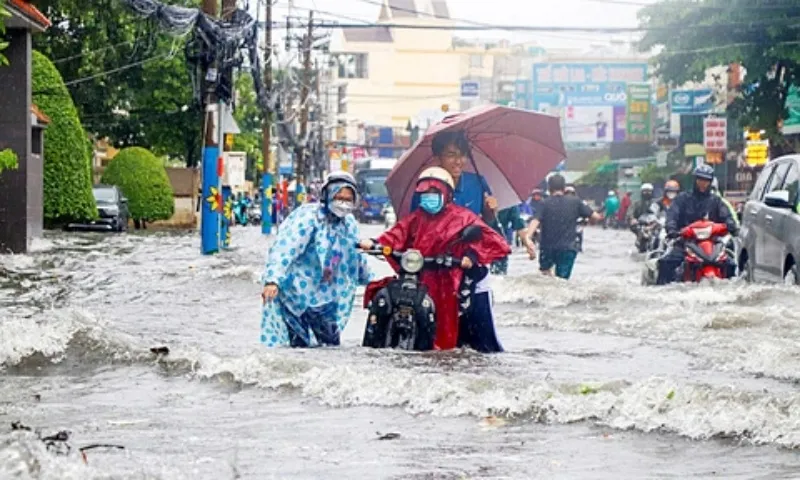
{"x": 345, "y": 166}
{"x": 228, "y": 141}
{"x": 757, "y": 148}
{"x": 714, "y": 158}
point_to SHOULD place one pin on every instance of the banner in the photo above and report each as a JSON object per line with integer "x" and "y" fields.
{"x": 791, "y": 125}
{"x": 715, "y": 134}
{"x": 638, "y": 126}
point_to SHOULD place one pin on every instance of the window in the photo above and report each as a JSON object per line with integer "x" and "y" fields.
{"x": 761, "y": 182}
{"x": 476, "y": 61}
{"x": 353, "y": 65}
{"x": 792, "y": 182}
{"x": 776, "y": 181}
{"x": 376, "y": 187}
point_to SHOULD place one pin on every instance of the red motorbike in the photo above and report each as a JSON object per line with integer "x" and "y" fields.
{"x": 706, "y": 252}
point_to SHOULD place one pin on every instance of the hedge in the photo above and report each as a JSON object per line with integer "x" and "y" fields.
{"x": 67, "y": 156}
{"x": 144, "y": 181}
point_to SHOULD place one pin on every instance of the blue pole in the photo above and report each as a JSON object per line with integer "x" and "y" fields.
{"x": 266, "y": 202}
{"x": 212, "y": 202}
{"x": 227, "y": 218}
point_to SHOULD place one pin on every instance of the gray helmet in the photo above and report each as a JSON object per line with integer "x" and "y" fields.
{"x": 705, "y": 172}
{"x": 335, "y": 178}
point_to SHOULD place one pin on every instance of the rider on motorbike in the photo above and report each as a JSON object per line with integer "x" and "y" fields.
{"x": 671, "y": 190}
{"x": 435, "y": 229}
{"x": 642, "y": 207}
{"x": 686, "y": 209}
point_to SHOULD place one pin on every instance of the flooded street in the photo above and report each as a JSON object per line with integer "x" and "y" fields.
{"x": 602, "y": 378}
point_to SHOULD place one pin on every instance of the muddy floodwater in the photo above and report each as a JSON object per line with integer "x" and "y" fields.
{"x": 602, "y": 378}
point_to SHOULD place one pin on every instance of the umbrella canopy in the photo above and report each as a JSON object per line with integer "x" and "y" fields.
{"x": 512, "y": 149}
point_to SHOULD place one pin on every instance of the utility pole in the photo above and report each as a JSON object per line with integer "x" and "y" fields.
{"x": 302, "y": 150}
{"x": 268, "y": 167}
{"x": 210, "y": 197}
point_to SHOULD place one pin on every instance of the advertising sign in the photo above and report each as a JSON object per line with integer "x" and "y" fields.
{"x": 638, "y": 124}
{"x": 756, "y": 151}
{"x": 691, "y": 101}
{"x": 715, "y": 134}
{"x": 791, "y": 125}
{"x": 470, "y": 89}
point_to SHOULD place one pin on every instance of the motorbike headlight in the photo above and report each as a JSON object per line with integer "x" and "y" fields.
{"x": 703, "y": 233}
{"x": 412, "y": 261}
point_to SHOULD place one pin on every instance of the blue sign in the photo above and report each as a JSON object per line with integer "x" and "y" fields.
{"x": 691, "y": 101}
{"x": 584, "y": 84}
{"x": 470, "y": 89}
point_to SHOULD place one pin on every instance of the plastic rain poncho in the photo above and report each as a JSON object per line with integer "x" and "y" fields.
{"x": 315, "y": 263}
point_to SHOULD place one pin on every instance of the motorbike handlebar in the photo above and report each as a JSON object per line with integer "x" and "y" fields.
{"x": 448, "y": 261}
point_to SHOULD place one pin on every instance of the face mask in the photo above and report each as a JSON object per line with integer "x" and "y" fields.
{"x": 341, "y": 208}
{"x": 672, "y": 195}
{"x": 431, "y": 202}
{"x": 647, "y": 195}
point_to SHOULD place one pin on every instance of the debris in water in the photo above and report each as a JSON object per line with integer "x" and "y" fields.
{"x": 160, "y": 350}
{"x": 387, "y": 436}
{"x": 57, "y": 442}
{"x": 671, "y": 395}
{"x": 587, "y": 389}
{"x": 37, "y": 397}
{"x": 492, "y": 422}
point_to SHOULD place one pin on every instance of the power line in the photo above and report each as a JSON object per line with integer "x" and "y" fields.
{"x": 118, "y": 69}
{"x": 792, "y": 22}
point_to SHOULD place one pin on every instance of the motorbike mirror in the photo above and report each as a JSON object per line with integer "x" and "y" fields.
{"x": 471, "y": 234}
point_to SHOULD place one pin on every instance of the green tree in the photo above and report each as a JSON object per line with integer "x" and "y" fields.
{"x": 248, "y": 116}
{"x": 601, "y": 173}
{"x": 8, "y": 160}
{"x": 131, "y": 79}
{"x": 697, "y": 35}
{"x": 3, "y": 45}
{"x": 144, "y": 181}
{"x": 67, "y": 156}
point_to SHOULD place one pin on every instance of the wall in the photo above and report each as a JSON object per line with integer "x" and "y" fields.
{"x": 21, "y": 189}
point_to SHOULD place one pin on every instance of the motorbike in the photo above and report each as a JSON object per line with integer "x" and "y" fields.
{"x": 582, "y": 222}
{"x": 401, "y": 314}
{"x": 389, "y": 216}
{"x": 240, "y": 212}
{"x": 254, "y": 214}
{"x": 706, "y": 249}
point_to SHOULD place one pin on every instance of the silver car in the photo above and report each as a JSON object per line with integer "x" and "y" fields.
{"x": 771, "y": 224}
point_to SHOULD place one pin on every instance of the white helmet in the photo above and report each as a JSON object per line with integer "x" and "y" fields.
{"x": 435, "y": 173}
{"x": 339, "y": 177}
{"x": 569, "y": 189}
{"x": 647, "y": 187}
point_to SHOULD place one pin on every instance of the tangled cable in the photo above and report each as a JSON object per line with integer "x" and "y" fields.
{"x": 58, "y": 442}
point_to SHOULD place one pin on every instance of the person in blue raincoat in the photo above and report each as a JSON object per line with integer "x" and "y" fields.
{"x": 313, "y": 268}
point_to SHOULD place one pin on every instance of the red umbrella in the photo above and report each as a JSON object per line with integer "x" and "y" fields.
{"x": 512, "y": 149}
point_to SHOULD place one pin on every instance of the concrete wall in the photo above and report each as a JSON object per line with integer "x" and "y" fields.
{"x": 21, "y": 189}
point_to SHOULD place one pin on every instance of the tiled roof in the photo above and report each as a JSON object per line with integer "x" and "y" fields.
{"x": 41, "y": 117}
{"x": 31, "y": 12}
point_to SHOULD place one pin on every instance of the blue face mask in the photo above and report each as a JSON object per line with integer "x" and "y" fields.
{"x": 431, "y": 202}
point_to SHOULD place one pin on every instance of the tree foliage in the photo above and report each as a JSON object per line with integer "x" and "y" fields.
{"x": 3, "y": 44}
{"x": 600, "y": 173}
{"x": 144, "y": 181}
{"x": 760, "y": 36}
{"x": 248, "y": 116}
{"x": 132, "y": 82}
{"x": 67, "y": 156}
{"x": 8, "y": 160}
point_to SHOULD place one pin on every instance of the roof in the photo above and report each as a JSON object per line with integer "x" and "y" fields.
{"x": 398, "y": 9}
{"x": 368, "y": 35}
{"x": 32, "y": 13}
{"x": 40, "y": 117}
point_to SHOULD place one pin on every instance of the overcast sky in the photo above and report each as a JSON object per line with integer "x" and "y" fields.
{"x": 591, "y": 13}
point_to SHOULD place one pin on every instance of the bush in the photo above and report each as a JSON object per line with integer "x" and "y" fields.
{"x": 67, "y": 158}
{"x": 8, "y": 160}
{"x": 145, "y": 183}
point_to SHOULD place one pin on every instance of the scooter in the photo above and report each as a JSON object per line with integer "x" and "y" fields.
{"x": 401, "y": 314}
{"x": 706, "y": 249}
{"x": 254, "y": 214}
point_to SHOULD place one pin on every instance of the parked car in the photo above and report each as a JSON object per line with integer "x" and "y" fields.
{"x": 112, "y": 211}
{"x": 771, "y": 224}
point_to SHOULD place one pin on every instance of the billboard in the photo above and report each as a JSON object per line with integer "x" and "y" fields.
{"x": 470, "y": 89}
{"x": 691, "y": 101}
{"x": 590, "y": 98}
